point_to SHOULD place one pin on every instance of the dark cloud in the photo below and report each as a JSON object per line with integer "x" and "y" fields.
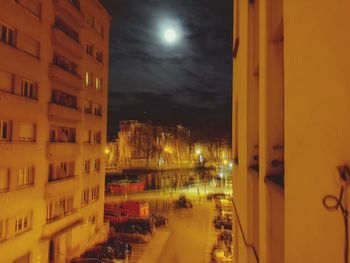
{"x": 187, "y": 83}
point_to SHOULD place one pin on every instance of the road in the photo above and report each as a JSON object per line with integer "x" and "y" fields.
{"x": 191, "y": 235}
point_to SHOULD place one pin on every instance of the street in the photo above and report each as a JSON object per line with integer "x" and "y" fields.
{"x": 191, "y": 235}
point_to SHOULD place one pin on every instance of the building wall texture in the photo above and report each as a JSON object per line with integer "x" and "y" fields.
{"x": 51, "y": 146}
{"x": 290, "y": 127}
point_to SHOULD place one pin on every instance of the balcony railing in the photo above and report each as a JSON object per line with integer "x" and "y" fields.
{"x": 61, "y": 215}
{"x": 53, "y": 179}
{"x": 59, "y": 24}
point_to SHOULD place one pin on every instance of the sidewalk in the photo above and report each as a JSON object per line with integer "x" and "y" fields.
{"x": 155, "y": 246}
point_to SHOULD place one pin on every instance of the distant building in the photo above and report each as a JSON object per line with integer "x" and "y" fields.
{"x": 53, "y": 114}
{"x": 290, "y": 130}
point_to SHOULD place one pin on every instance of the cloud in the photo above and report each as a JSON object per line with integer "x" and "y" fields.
{"x": 190, "y": 81}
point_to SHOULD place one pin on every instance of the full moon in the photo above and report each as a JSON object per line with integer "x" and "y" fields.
{"x": 170, "y": 35}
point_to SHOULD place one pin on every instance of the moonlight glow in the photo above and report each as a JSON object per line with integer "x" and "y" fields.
{"x": 170, "y": 35}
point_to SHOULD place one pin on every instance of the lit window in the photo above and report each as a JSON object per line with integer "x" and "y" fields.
{"x": 25, "y": 176}
{"x": 98, "y": 83}
{"x": 22, "y": 223}
{"x": 87, "y": 136}
{"x": 88, "y": 79}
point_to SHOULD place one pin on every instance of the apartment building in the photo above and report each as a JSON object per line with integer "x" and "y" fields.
{"x": 53, "y": 114}
{"x": 290, "y": 130}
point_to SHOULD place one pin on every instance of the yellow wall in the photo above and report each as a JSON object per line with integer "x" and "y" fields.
{"x": 317, "y": 77}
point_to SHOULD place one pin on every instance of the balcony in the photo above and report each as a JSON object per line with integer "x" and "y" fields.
{"x": 61, "y": 225}
{"x": 66, "y": 43}
{"x": 57, "y": 187}
{"x": 62, "y": 149}
{"x": 64, "y": 113}
{"x": 65, "y": 77}
{"x": 70, "y": 11}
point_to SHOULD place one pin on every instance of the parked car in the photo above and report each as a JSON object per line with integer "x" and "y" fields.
{"x": 212, "y": 196}
{"x": 131, "y": 228}
{"x": 183, "y": 202}
{"x": 124, "y": 250}
{"x": 220, "y": 222}
{"x": 226, "y": 237}
{"x": 101, "y": 253}
{"x": 221, "y": 255}
{"x": 159, "y": 220}
{"x": 133, "y": 237}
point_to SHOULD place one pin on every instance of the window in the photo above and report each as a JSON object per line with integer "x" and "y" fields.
{"x": 25, "y": 176}
{"x": 59, "y": 208}
{"x": 26, "y": 132}
{"x": 89, "y": 49}
{"x": 97, "y": 137}
{"x": 64, "y": 99}
{"x": 99, "y": 55}
{"x": 23, "y": 259}
{"x": 97, "y": 164}
{"x": 62, "y": 134}
{"x": 86, "y": 166}
{"x": 98, "y": 110}
{"x": 88, "y": 107}
{"x": 22, "y": 223}
{"x": 7, "y": 34}
{"x": 4, "y": 180}
{"x": 29, "y": 89}
{"x": 85, "y": 197}
{"x": 95, "y": 193}
{"x": 29, "y": 44}
{"x": 87, "y": 136}
{"x": 5, "y": 129}
{"x": 6, "y": 81}
{"x": 98, "y": 82}
{"x": 88, "y": 79}
{"x": 61, "y": 170}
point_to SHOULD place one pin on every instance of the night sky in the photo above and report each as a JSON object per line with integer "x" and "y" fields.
{"x": 186, "y": 82}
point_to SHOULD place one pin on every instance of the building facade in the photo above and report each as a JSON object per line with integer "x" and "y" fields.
{"x": 290, "y": 130}
{"x": 53, "y": 114}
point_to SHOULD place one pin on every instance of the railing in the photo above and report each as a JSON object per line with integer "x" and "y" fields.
{"x": 65, "y": 29}
{"x": 248, "y": 245}
{"x": 60, "y": 179}
{"x": 60, "y": 216}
